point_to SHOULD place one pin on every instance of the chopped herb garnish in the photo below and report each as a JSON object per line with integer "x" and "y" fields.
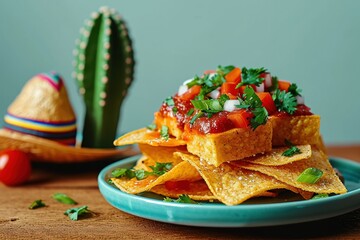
{"x": 284, "y": 101}
{"x": 175, "y": 110}
{"x": 169, "y": 101}
{"x": 208, "y": 83}
{"x": 253, "y": 103}
{"x": 74, "y": 213}
{"x": 251, "y": 76}
{"x": 183, "y": 198}
{"x": 274, "y": 84}
{"x": 291, "y": 151}
{"x": 294, "y": 90}
{"x": 37, "y": 204}
{"x": 224, "y": 70}
{"x": 63, "y": 198}
{"x": 161, "y": 168}
{"x": 158, "y": 170}
{"x": 320, "y": 195}
{"x": 195, "y": 117}
{"x": 209, "y": 106}
{"x": 151, "y": 127}
{"x": 310, "y": 175}
{"x": 164, "y": 132}
{"x": 190, "y": 112}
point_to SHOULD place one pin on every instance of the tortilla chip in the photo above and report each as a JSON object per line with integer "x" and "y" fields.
{"x": 146, "y": 136}
{"x": 230, "y": 184}
{"x": 179, "y": 171}
{"x": 197, "y": 190}
{"x": 275, "y": 157}
{"x": 328, "y": 183}
{"x": 161, "y": 154}
{"x": 299, "y": 130}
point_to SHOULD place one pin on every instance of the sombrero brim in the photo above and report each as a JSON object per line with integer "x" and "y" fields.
{"x": 43, "y": 150}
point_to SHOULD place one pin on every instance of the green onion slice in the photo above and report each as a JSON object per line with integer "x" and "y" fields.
{"x": 310, "y": 175}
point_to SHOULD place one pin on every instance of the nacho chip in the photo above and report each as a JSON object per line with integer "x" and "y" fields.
{"x": 230, "y": 184}
{"x": 179, "y": 171}
{"x": 299, "y": 130}
{"x": 161, "y": 154}
{"x": 328, "y": 183}
{"x": 197, "y": 190}
{"x": 146, "y": 136}
{"x": 231, "y": 145}
{"x": 275, "y": 157}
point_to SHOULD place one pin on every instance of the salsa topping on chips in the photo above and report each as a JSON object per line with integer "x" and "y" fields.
{"x": 230, "y": 135}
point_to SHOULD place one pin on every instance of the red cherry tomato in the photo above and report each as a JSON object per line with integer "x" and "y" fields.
{"x": 15, "y": 167}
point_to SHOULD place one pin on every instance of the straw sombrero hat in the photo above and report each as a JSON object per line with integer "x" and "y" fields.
{"x": 41, "y": 122}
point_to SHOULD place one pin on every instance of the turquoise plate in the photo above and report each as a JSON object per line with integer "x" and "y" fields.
{"x": 263, "y": 212}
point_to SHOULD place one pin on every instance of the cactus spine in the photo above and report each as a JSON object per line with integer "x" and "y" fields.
{"x": 104, "y": 69}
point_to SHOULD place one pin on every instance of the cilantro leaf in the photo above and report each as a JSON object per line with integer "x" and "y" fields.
{"x": 151, "y": 127}
{"x": 274, "y": 84}
{"x": 292, "y": 150}
{"x": 63, "y": 198}
{"x": 294, "y": 90}
{"x": 140, "y": 174}
{"x": 224, "y": 70}
{"x": 164, "y": 132}
{"x": 183, "y": 198}
{"x": 253, "y": 103}
{"x": 74, "y": 213}
{"x": 37, "y": 204}
{"x": 284, "y": 101}
{"x": 251, "y": 76}
{"x": 169, "y": 101}
{"x": 161, "y": 168}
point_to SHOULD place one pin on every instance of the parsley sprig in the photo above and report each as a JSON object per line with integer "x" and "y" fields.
{"x": 253, "y": 103}
{"x": 157, "y": 170}
{"x": 183, "y": 198}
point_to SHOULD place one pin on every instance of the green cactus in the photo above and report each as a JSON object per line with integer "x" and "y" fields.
{"x": 104, "y": 69}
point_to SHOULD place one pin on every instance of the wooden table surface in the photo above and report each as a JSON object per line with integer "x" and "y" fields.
{"x": 80, "y": 182}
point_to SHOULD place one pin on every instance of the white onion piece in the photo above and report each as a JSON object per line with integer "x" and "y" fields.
{"x": 300, "y": 99}
{"x": 187, "y": 81}
{"x": 182, "y": 89}
{"x": 214, "y": 94}
{"x": 268, "y": 80}
{"x": 229, "y": 105}
{"x": 260, "y": 88}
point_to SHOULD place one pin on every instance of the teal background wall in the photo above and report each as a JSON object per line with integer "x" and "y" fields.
{"x": 314, "y": 43}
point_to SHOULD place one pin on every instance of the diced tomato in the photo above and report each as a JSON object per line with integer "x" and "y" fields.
{"x": 230, "y": 88}
{"x": 234, "y": 76}
{"x": 209, "y": 71}
{"x": 284, "y": 85}
{"x": 191, "y": 93}
{"x": 240, "y": 118}
{"x": 177, "y": 185}
{"x": 267, "y": 101}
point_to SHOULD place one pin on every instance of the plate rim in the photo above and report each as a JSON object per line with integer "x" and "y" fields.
{"x": 106, "y": 189}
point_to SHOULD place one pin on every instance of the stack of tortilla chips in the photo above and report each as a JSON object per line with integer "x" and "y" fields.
{"x": 232, "y": 182}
